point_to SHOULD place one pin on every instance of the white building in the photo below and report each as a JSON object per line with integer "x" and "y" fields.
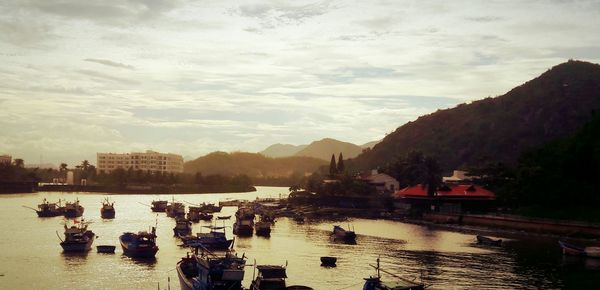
{"x": 148, "y": 161}
{"x": 6, "y": 159}
{"x": 382, "y": 182}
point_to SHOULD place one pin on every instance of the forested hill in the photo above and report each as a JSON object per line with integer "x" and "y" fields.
{"x": 251, "y": 164}
{"x": 498, "y": 129}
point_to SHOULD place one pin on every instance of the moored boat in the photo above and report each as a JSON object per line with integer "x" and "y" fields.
{"x": 73, "y": 209}
{"x": 175, "y": 209}
{"x": 207, "y": 271}
{"x": 570, "y": 249}
{"x": 183, "y": 227}
{"x": 193, "y": 214}
{"x": 205, "y": 216}
{"x": 215, "y": 239}
{"x": 263, "y": 228}
{"x": 272, "y": 277}
{"x": 142, "y": 244}
{"x": 210, "y": 207}
{"x": 341, "y": 234}
{"x": 77, "y": 237}
{"x": 328, "y": 261}
{"x": 110, "y": 249}
{"x": 244, "y": 222}
{"x": 107, "y": 211}
{"x": 159, "y": 205}
{"x": 224, "y": 217}
{"x": 375, "y": 283}
{"x": 49, "y": 209}
{"x": 482, "y": 240}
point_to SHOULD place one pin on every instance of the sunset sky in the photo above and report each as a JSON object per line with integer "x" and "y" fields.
{"x": 192, "y": 77}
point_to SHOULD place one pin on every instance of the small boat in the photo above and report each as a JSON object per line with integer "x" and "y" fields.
{"x": 193, "y": 214}
{"x": 77, "y": 237}
{"x": 272, "y": 277}
{"x": 488, "y": 241}
{"x": 183, "y": 227}
{"x": 207, "y": 271}
{"x": 570, "y": 249}
{"x": 175, "y": 209}
{"x": 110, "y": 249}
{"x": 266, "y": 217}
{"x": 159, "y": 205}
{"x": 210, "y": 207}
{"x": 48, "y": 209}
{"x": 141, "y": 245}
{"x": 244, "y": 222}
{"x": 205, "y": 216}
{"x": 375, "y": 283}
{"x": 263, "y": 228}
{"x": 224, "y": 217}
{"x": 108, "y": 209}
{"x": 341, "y": 234}
{"x": 328, "y": 261}
{"x": 213, "y": 240}
{"x": 73, "y": 209}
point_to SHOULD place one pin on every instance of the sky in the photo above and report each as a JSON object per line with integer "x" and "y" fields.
{"x": 192, "y": 77}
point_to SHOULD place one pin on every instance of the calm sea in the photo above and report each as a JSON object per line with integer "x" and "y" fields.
{"x": 31, "y": 257}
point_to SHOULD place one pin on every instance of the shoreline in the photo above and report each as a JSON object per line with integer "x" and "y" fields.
{"x": 124, "y": 191}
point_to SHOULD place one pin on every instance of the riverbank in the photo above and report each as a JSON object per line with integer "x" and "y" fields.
{"x": 144, "y": 189}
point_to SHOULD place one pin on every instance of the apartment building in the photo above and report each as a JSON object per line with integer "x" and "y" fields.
{"x": 146, "y": 161}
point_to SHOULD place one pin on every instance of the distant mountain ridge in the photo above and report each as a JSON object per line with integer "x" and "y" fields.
{"x": 321, "y": 149}
{"x": 282, "y": 150}
{"x": 499, "y": 129}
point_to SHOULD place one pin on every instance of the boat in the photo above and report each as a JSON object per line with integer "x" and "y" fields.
{"x": 341, "y": 234}
{"x": 207, "y": 271}
{"x": 570, "y": 249}
{"x": 298, "y": 218}
{"x": 263, "y": 228}
{"x": 77, "y": 237}
{"x": 110, "y": 249}
{"x": 267, "y": 217}
{"x": 108, "y": 209}
{"x": 193, "y": 214}
{"x": 272, "y": 277}
{"x": 375, "y": 283}
{"x": 141, "y": 245}
{"x": 73, "y": 209}
{"x": 244, "y": 222}
{"x": 175, "y": 209}
{"x": 183, "y": 227}
{"x": 49, "y": 209}
{"x": 205, "y": 216}
{"x": 215, "y": 239}
{"x": 210, "y": 207}
{"x": 482, "y": 240}
{"x": 328, "y": 261}
{"x": 224, "y": 217}
{"x": 159, "y": 205}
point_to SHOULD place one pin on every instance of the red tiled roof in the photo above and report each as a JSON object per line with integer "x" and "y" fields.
{"x": 459, "y": 191}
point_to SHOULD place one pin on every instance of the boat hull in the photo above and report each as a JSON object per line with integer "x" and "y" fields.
{"x": 105, "y": 249}
{"x": 72, "y": 213}
{"x": 265, "y": 232}
{"x": 139, "y": 252}
{"x": 107, "y": 214}
{"x": 242, "y": 230}
{"x": 49, "y": 213}
{"x": 77, "y": 246}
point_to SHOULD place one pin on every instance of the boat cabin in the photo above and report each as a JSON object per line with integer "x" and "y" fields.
{"x": 269, "y": 277}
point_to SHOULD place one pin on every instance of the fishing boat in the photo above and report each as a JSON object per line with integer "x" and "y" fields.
{"x": 215, "y": 239}
{"x": 77, "y": 237}
{"x": 108, "y": 209}
{"x": 267, "y": 217}
{"x": 328, "y": 261}
{"x": 73, "y": 209}
{"x": 272, "y": 277}
{"x": 142, "y": 244}
{"x": 175, "y": 209}
{"x": 205, "y": 216}
{"x": 488, "y": 241}
{"x": 570, "y": 249}
{"x": 341, "y": 234}
{"x": 210, "y": 207}
{"x": 375, "y": 283}
{"x": 207, "y": 271}
{"x": 49, "y": 209}
{"x": 193, "y": 214}
{"x": 159, "y": 205}
{"x": 183, "y": 227}
{"x": 109, "y": 249}
{"x": 244, "y": 222}
{"x": 224, "y": 217}
{"x": 263, "y": 228}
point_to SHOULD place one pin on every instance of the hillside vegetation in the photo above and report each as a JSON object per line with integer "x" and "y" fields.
{"x": 323, "y": 149}
{"x": 499, "y": 129}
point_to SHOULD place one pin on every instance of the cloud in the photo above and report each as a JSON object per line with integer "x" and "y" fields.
{"x": 110, "y": 63}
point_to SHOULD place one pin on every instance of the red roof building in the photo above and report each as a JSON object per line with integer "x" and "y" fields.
{"x": 453, "y": 191}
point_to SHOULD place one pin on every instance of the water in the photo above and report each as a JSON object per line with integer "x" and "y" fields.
{"x": 31, "y": 257}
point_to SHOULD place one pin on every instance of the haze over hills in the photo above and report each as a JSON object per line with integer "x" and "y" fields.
{"x": 499, "y": 129}
{"x": 321, "y": 149}
{"x": 251, "y": 164}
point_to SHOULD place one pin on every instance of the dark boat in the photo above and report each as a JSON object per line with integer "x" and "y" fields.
{"x": 375, "y": 283}
{"x": 48, "y": 209}
{"x": 205, "y": 216}
{"x": 175, "y": 209}
{"x": 207, "y": 271}
{"x": 574, "y": 250}
{"x": 244, "y": 222}
{"x": 263, "y": 228}
{"x": 141, "y": 245}
{"x": 183, "y": 227}
{"x": 108, "y": 209}
{"x": 224, "y": 217}
{"x": 77, "y": 238}
{"x": 328, "y": 261}
{"x": 73, "y": 209}
{"x": 213, "y": 240}
{"x": 210, "y": 207}
{"x": 272, "y": 277}
{"x": 488, "y": 241}
{"x": 106, "y": 249}
{"x": 193, "y": 214}
{"x": 341, "y": 234}
{"x": 159, "y": 205}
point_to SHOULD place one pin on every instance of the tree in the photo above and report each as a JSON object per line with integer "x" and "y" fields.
{"x": 19, "y": 163}
{"x": 63, "y": 167}
{"x": 340, "y": 165}
{"x": 332, "y": 166}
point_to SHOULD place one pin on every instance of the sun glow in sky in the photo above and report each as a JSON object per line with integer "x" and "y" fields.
{"x": 191, "y": 77}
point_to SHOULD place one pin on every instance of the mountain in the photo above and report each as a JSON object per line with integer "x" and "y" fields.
{"x": 282, "y": 150}
{"x": 370, "y": 144}
{"x": 251, "y": 164}
{"x": 323, "y": 149}
{"x": 499, "y": 129}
